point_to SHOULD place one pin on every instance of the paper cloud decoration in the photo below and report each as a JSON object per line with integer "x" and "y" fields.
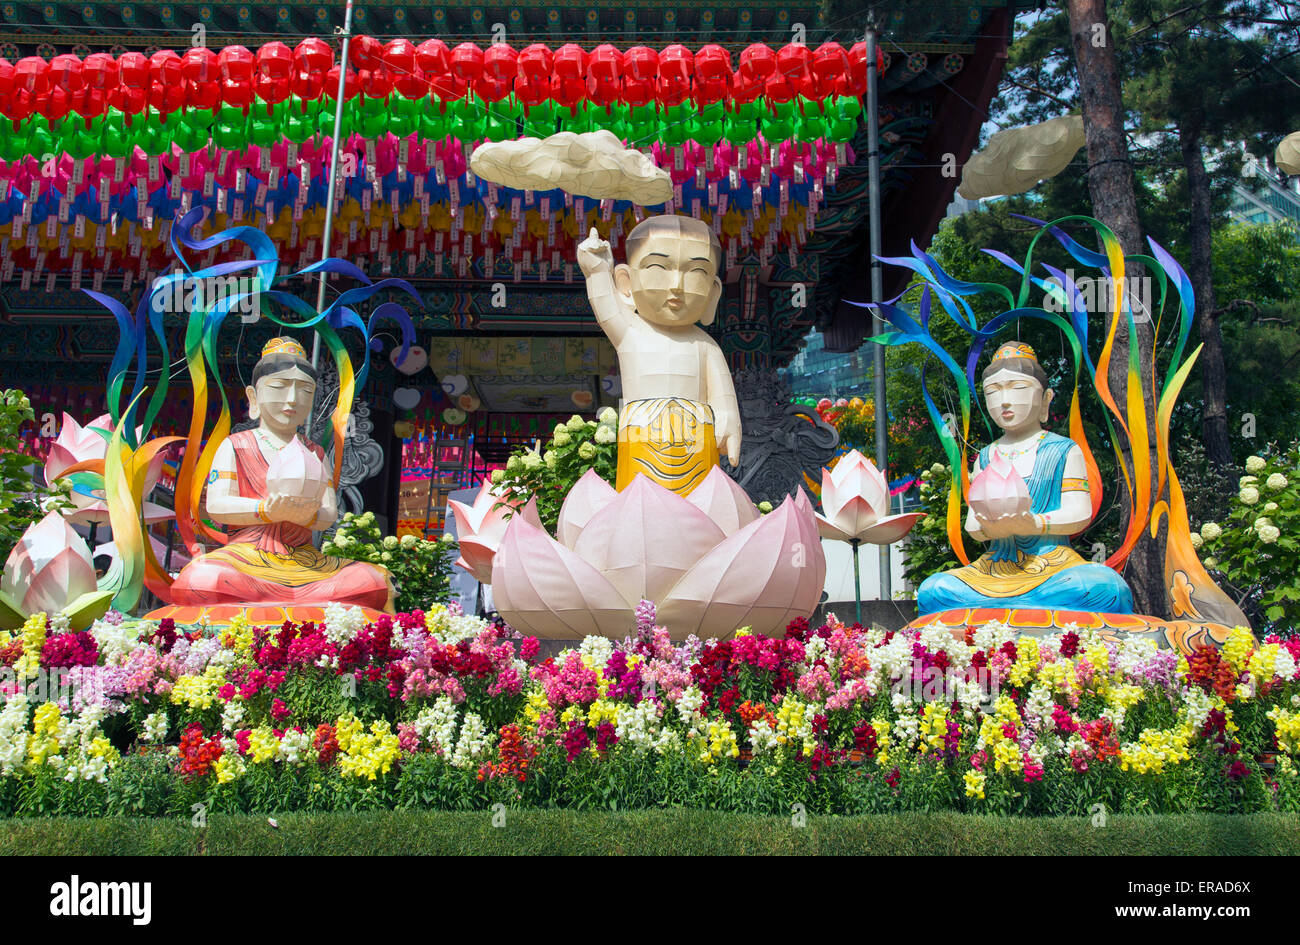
{"x": 296, "y": 471}
{"x": 1015, "y": 160}
{"x": 1287, "y": 155}
{"x": 594, "y": 164}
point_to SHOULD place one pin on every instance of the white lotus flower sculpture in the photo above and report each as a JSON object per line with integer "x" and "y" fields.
{"x": 709, "y": 560}
{"x": 50, "y": 571}
{"x": 998, "y": 491}
{"x": 78, "y": 444}
{"x": 480, "y": 527}
{"x": 297, "y": 471}
{"x": 855, "y": 499}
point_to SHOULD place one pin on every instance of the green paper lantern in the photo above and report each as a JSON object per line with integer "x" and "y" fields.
{"x": 152, "y": 136}
{"x": 433, "y": 119}
{"x": 403, "y": 115}
{"x": 230, "y": 130}
{"x": 299, "y": 119}
{"x": 118, "y": 139}
{"x": 540, "y": 120}
{"x": 468, "y": 119}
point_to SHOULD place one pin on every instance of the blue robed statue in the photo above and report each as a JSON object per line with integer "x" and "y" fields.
{"x": 1029, "y": 562}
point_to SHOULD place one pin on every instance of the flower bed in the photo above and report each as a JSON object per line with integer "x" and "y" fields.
{"x": 441, "y": 710}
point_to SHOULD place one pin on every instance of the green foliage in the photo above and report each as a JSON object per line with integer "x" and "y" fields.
{"x": 650, "y": 832}
{"x": 548, "y": 473}
{"x": 22, "y": 498}
{"x": 421, "y": 569}
{"x": 928, "y": 549}
{"x": 1257, "y": 548}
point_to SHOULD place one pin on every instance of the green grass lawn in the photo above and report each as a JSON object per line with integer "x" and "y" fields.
{"x": 688, "y": 832}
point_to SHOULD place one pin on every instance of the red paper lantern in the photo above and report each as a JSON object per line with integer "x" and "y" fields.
{"x": 745, "y": 90}
{"x": 100, "y": 71}
{"x": 758, "y": 61}
{"x": 399, "y": 58}
{"x": 237, "y": 93}
{"x": 54, "y": 104}
{"x": 569, "y": 78}
{"x": 128, "y": 100}
{"x": 350, "y": 84}
{"x": 90, "y": 103}
{"x": 641, "y": 63}
{"x": 236, "y": 64}
{"x": 366, "y": 52}
{"x": 375, "y": 83}
{"x": 133, "y": 70}
{"x": 432, "y": 57}
{"x": 168, "y": 98}
{"x": 778, "y": 88}
{"x": 533, "y": 74}
{"x": 793, "y": 60}
{"x": 166, "y": 68}
{"x": 275, "y": 61}
{"x": 313, "y": 56}
{"x": 199, "y": 64}
{"x": 65, "y": 73}
{"x": 605, "y": 74}
{"x": 466, "y": 62}
{"x": 712, "y": 74}
{"x": 676, "y": 65}
{"x": 203, "y": 94}
{"x": 32, "y": 74}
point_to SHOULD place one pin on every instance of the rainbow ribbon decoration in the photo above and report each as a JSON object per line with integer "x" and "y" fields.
{"x": 130, "y": 451}
{"x": 1152, "y": 493}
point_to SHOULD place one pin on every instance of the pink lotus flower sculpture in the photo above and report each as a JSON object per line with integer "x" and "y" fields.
{"x": 78, "y": 444}
{"x": 709, "y": 560}
{"x": 50, "y": 571}
{"x": 998, "y": 491}
{"x": 855, "y": 499}
{"x": 296, "y": 471}
{"x": 480, "y": 527}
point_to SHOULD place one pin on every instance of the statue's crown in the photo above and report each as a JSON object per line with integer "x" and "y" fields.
{"x": 283, "y": 346}
{"x": 1015, "y": 349}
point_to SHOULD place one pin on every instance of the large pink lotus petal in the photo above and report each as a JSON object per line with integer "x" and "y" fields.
{"x": 89, "y": 511}
{"x": 998, "y": 490}
{"x": 723, "y": 500}
{"x": 589, "y": 495}
{"x": 854, "y": 495}
{"x": 764, "y": 576}
{"x": 296, "y": 471}
{"x": 59, "y": 459}
{"x": 646, "y": 539}
{"x": 543, "y": 588}
{"x": 891, "y": 529}
{"x": 49, "y": 567}
{"x": 486, "y": 518}
{"x": 829, "y": 530}
{"x": 476, "y": 557}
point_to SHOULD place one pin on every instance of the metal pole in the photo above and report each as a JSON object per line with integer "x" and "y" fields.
{"x": 334, "y": 176}
{"x": 877, "y": 281}
{"x": 857, "y": 580}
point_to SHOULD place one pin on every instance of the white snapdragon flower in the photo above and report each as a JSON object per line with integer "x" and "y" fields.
{"x": 596, "y": 651}
{"x": 342, "y": 624}
{"x": 473, "y": 744}
{"x": 155, "y": 727}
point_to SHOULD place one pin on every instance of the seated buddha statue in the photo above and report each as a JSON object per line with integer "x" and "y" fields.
{"x": 1029, "y": 562}
{"x": 269, "y": 557}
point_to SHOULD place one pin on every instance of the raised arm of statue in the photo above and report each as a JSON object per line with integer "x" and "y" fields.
{"x": 597, "y": 263}
{"x": 721, "y": 396}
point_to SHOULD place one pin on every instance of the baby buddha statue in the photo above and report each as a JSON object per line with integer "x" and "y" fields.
{"x": 269, "y": 557}
{"x": 1029, "y": 562}
{"x": 680, "y": 412}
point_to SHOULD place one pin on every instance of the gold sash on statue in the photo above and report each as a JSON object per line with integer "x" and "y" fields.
{"x": 1013, "y": 578}
{"x": 302, "y": 565}
{"x": 668, "y": 439}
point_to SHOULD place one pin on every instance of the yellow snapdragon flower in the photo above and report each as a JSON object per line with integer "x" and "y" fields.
{"x": 1238, "y": 647}
{"x": 198, "y": 692}
{"x": 975, "y": 782}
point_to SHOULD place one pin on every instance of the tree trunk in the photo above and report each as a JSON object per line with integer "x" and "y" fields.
{"x": 1214, "y": 376}
{"x": 1114, "y": 202}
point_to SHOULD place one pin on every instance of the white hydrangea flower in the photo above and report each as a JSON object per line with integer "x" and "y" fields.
{"x": 1249, "y": 495}
{"x": 1255, "y": 464}
{"x": 1277, "y": 482}
{"x": 1197, "y": 541}
{"x": 605, "y": 435}
{"x": 1210, "y": 531}
{"x": 609, "y": 416}
{"x": 1269, "y": 534}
